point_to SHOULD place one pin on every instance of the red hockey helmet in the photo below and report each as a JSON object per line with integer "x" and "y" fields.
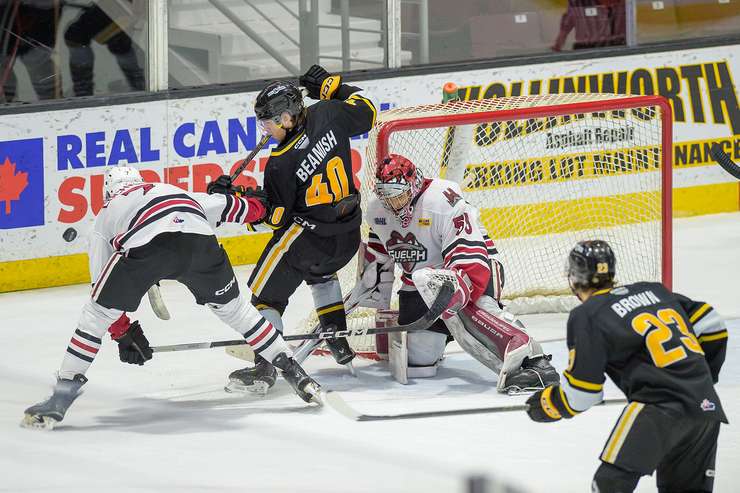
{"x": 397, "y": 183}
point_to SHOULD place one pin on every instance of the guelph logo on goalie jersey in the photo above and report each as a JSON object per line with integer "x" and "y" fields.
{"x": 406, "y": 250}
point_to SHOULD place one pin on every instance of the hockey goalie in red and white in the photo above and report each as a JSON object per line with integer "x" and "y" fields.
{"x": 426, "y": 227}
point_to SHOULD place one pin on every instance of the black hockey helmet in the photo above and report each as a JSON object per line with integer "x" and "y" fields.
{"x": 591, "y": 264}
{"x": 277, "y": 98}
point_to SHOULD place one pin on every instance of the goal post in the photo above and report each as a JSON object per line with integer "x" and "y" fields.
{"x": 545, "y": 172}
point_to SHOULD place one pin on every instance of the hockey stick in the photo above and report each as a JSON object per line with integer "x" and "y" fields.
{"x": 438, "y": 306}
{"x": 724, "y": 160}
{"x": 300, "y": 353}
{"x": 246, "y": 160}
{"x": 157, "y": 303}
{"x": 337, "y": 403}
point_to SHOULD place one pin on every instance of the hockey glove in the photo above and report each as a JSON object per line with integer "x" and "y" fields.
{"x": 548, "y": 405}
{"x": 259, "y": 205}
{"x": 461, "y": 297}
{"x": 133, "y": 346}
{"x": 222, "y": 185}
{"x": 225, "y": 186}
{"x": 319, "y": 84}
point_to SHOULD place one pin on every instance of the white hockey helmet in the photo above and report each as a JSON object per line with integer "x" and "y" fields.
{"x": 118, "y": 178}
{"x": 397, "y": 183}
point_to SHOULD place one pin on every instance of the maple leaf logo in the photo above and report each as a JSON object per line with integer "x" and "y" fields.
{"x": 11, "y": 183}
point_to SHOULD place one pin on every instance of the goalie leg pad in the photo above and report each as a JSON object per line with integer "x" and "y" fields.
{"x": 425, "y": 348}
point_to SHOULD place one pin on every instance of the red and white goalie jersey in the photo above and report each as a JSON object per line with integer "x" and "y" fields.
{"x": 444, "y": 232}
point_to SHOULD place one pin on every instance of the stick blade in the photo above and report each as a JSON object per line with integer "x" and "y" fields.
{"x": 723, "y": 159}
{"x": 157, "y": 303}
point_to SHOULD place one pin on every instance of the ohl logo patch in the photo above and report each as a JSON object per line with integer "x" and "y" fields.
{"x": 21, "y": 183}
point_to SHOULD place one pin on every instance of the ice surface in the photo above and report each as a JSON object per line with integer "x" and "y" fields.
{"x": 168, "y": 426}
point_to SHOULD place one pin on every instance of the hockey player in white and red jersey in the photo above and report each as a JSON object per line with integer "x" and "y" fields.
{"x": 147, "y": 232}
{"x": 426, "y": 227}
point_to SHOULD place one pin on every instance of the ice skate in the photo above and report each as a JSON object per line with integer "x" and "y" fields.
{"x": 340, "y": 350}
{"x": 257, "y": 379}
{"x": 534, "y": 374}
{"x": 45, "y": 415}
{"x": 305, "y": 386}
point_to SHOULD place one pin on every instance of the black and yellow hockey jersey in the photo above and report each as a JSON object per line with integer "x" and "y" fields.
{"x": 308, "y": 177}
{"x": 658, "y": 347}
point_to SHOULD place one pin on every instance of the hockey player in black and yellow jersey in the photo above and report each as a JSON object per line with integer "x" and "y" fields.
{"x": 664, "y": 351}
{"x": 314, "y": 205}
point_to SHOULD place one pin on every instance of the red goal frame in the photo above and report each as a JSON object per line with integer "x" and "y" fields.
{"x": 618, "y": 103}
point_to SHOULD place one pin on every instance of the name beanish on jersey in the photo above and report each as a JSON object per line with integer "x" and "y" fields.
{"x": 316, "y": 155}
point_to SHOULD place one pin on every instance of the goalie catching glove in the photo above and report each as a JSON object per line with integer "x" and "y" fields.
{"x": 374, "y": 285}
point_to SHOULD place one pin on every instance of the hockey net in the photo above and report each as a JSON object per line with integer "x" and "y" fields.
{"x": 545, "y": 172}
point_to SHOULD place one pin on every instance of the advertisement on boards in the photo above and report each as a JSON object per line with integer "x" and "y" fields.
{"x": 52, "y": 164}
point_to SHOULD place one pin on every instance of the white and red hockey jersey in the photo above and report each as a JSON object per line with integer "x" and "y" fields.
{"x": 444, "y": 232}
{"x": 138, "y": 213}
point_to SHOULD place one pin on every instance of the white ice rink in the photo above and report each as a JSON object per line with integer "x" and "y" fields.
{"x": 169, "y": 426}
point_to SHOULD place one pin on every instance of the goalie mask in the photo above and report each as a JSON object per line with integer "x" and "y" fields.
{"x": 118, "y": 178}
{"x": 397, "y": 183}
{"x": 591, "y": 264}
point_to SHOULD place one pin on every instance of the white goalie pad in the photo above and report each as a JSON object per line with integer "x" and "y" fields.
{"x": 492, "y": 336}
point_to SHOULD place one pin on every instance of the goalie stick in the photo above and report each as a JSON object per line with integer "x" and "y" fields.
{"x": 334, "y": 400}
{"x": 724, "y": 160}
{"x": 438, "y": 306}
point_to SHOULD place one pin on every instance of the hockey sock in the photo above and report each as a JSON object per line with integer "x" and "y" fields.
{"x": 260, "y": 334}
{"x": 327, "y": 298}
{"x": 87, "y": 338}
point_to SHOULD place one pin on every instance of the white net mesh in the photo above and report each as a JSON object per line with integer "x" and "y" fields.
{"x": 545, "y": 172}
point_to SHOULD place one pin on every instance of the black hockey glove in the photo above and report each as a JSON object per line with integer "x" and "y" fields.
{"x": 319, "y": 84}
{"x": 546, "y": 406}
{"x": 222, "y": 184}
{"x": 133, "y": 346}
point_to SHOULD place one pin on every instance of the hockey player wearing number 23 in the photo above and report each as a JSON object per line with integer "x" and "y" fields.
{"x": 314, "y": 205}
{"x": 664, "y": 351}
{"x": 433, "y": 233}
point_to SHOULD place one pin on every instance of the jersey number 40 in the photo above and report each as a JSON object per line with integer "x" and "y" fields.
{"x": 318, "y": 192}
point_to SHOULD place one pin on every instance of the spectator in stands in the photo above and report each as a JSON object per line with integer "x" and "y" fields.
{"x": 29, "y": 30}
{"x": 596, "y": 23}
{"x": 94, "y": 23}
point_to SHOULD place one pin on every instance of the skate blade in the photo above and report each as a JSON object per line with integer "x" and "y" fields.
{"x": 38, "y": 422}
{"x": 314, "y": 392}
{"x": 237, "y": 387}
{"x": 351, "y": 368}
